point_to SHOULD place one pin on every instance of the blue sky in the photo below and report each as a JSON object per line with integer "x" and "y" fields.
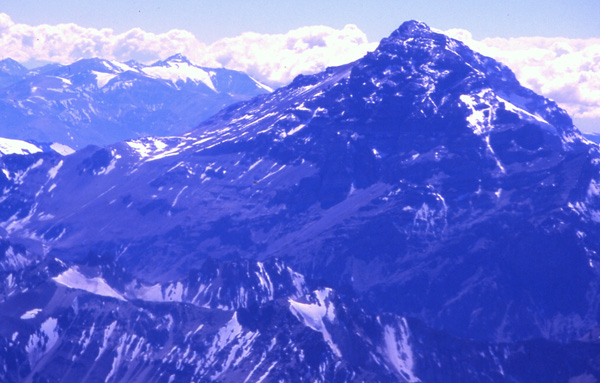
{"x": 212, "y": 20}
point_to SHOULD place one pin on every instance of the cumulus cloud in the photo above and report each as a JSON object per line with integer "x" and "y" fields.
{"x": 278, "y": 58}
{"x": 272, "y": 58}
{"x": 566, "y": 70}
{"x": 65, "y": 43}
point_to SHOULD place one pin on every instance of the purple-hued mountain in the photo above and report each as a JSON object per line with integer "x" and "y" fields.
{"x": 414, "y": 216}
{"x": 100, "y": 102}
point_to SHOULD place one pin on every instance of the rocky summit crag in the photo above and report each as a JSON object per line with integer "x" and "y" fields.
{"x": 416, "y": 215}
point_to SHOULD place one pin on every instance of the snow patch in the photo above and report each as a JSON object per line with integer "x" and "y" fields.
{"x": 478, "y": 120}
{"x": 177, "y": 196}
{"x": 10, "y": 146}
{"x": 31, "y": 314}
{"x": 397, "y": 350}
{"x": 313, "y": 315}
{"x": 491, "y": 150}
{"x": 180, "y": 71}
{"x": 73, "y": 279}
{"x": 111, "y": 166}
{"x": 143, "y": 149}
{"x": 173, "y": 292}
{"x": 103, "y": 78}
{"x": 107, "y": 334}
{"x": 255, "y": 164}
{"x": 523, "y": 113}
{"x": 298, "y": 282}
{"x": 151, "y": 149}
{"x": 265, "y": 281}
{"x": 593, "y": 189}
{"x": 296, "y": 129}
{"x": 13, "y": 261}
{"x": 86, "y": 338}
{"x": 42, "y": 340}
{"x": 266, "y": 373}
{"x": 149, "y": 293}
{"x": 226, "y": 335}
{"x": 62, "y": 149}
{"x": 54, "y": 171}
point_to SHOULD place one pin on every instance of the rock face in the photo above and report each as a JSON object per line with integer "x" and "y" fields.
{"x": 416, "y": 215}
{"x": 100, "y": 102}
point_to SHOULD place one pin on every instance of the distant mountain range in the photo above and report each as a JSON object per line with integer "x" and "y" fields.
{"x": 414, "y": 216}
{"x": 100, "y": 102}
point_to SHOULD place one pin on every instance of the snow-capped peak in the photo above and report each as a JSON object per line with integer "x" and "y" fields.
{"x": 412, "y": 27}
{"x": 177, "y": 68}
{"x": 179, "y": 58}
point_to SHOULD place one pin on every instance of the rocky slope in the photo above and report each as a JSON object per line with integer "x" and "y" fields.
{"x": 416, "y": 215}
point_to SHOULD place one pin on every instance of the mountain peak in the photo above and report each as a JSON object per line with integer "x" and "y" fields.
{"x": 412, "y": 27}
{"x": 177, "y": 58}
{"x": 415, "y": 33}
{"x": 12, "y": 67}
{"x": 432, "y": 61}
{"x": 133, "y": 64}
{"x": 409, "y": 29}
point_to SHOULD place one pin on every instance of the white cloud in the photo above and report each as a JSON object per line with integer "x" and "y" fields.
{"x": 566, "y": 70}
{"x": 65, "y": 43}
{"x": 278, "y": 58}
{"x": 272, "y": 58}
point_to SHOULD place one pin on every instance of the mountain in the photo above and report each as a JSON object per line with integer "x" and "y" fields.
{"x": 416, "y": 215}
{"x": 594, "y": 137}
{"x": 234, "y": 322}
{"x": 11, "y": 72}
{"x": 100, "y": 102}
